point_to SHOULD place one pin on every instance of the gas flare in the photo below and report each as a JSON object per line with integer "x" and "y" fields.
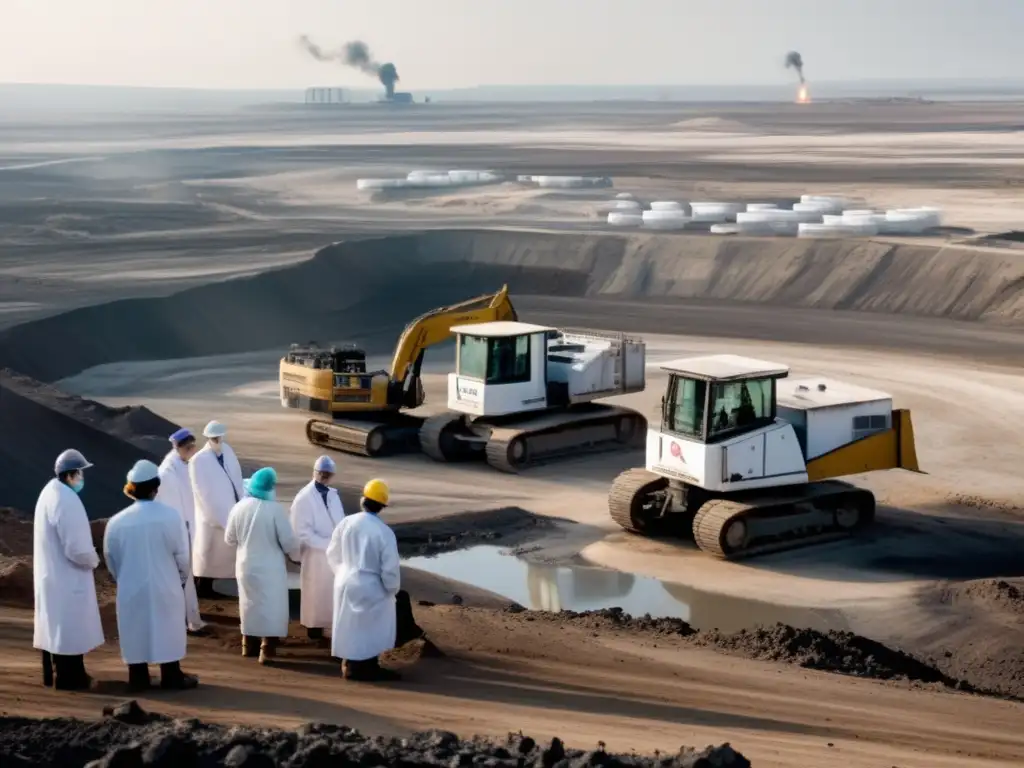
{"x": 803, "y": 96}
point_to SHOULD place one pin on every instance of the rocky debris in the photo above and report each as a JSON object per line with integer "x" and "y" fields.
{"x": 128, "y": 737}
{"x": 17, "y": 587}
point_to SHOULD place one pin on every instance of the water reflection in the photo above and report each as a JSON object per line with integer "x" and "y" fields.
{"x": 581, "y": 588}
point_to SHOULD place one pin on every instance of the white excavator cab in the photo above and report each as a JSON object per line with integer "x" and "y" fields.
{"x": 500, "y": 368}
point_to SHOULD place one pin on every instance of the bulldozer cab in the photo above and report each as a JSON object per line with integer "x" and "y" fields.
{"x": 718, "y": 397}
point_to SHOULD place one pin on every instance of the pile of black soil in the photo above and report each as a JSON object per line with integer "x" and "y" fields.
{"x": 509, "y": 525}
{"x": 40, "y": 421}
{"x": 129, "y": 736}
{"x": 610, "y": 618}
{"x": 832, "y": 651}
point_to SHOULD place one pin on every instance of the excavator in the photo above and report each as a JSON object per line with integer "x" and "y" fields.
{"x": 752, "y": 457}
{"x": 364, "y": 408}
{"x": 525, "y": 394}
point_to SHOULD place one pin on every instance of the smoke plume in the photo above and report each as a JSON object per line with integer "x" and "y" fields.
{"x": 795, "y": 61}
{"x": 356, "y": 54}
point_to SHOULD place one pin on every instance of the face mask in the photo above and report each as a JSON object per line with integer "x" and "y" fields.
{"x": 78, "y": 485}
{"x": 217, "y": 447}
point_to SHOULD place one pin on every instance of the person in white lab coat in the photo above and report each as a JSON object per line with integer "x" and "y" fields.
{"x": 258, "y": 526}
{"x": 146, "y": 550}
{"x": 316, "y": 512}
{"x": 176, "y": 491}
{"x": 363, "y": 554}
{"x": 217, "y": 484}
{"x": 67, "y": 614}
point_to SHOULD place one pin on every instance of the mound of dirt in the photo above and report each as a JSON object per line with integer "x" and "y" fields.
{"x": 509, "y": 524}
{"x": 129, "y": 736}
{"x": 15, "y": 533}
{"x": 999, "y": 593}
{"x": 609, "y": 618}
{"x": 40, "y": 421}
{"x": 833, "y": 651}
{"x": 16, "y": 585}
{"x": 367, "y": 290}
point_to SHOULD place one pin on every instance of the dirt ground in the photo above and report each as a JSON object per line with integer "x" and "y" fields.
{"x": 136, "y": 209}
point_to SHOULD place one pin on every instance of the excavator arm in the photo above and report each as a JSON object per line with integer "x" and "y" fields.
{"x": 435, "y": 326}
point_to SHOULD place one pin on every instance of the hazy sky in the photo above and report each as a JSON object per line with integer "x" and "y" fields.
{"x": 454, "y": 43}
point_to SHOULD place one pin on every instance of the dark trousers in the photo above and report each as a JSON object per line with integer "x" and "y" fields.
{"x": 406, "y": 629}
{"x": 171, "y": 676}
{"x": 65, "y": 673}
{"x": 204, "y": 588}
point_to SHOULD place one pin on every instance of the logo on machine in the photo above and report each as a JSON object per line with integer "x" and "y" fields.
{"x": 676, "y": 451}
{"x": 468, "y": 391}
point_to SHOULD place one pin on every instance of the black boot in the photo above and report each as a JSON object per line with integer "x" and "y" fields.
{"x": 250, "y": 646}
{"x": 138, "y": 678}
{"x": 369, "y": 671}
{"x": 70, "y": 673}
{"x": 173, "y": 679}
{"x": 315, "y": 633}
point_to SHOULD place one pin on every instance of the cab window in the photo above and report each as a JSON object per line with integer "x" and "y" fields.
{"x": 473, "y": 357}
{"x": 684, "y": 410}
{"x": 508, "y": 360}
{"x": 737, "y": 405}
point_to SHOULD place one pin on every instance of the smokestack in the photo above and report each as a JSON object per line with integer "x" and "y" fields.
{"x": 795, "y": 61}
{"x": 356, "y": 54}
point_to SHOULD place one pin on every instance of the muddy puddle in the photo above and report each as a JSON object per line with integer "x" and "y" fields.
{"x": 580, "y": 587}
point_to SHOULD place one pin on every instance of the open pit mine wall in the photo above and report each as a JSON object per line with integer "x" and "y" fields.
{"x": 367, "y": 289}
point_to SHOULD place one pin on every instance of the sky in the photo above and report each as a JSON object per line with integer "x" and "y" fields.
{"x": 464, "y": 43}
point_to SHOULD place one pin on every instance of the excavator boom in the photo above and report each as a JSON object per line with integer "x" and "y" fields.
{"x": 435, "y": 326}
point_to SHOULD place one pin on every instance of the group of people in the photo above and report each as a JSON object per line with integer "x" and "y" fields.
{"x": 194, "y": 520}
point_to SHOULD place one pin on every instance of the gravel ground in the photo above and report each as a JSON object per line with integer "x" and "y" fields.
{"x": 128, "y": 736}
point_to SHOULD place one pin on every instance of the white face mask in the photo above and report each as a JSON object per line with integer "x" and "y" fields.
{"x": 217, "y": 446}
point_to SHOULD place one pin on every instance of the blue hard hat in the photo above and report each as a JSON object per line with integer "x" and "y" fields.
{"x": 70, "y": 461}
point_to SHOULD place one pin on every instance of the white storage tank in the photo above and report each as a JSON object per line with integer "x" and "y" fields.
{"x": 624, "y": 219}
{"x": 665, "y": 219}
{"x": 666, "y": 205}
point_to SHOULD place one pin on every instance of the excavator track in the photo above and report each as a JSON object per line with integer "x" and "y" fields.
{"x": 366, "y": 438}
{"x": 601, "y": 429}
{"x": 808, "y": 514}
{"x": 634, "y": 497}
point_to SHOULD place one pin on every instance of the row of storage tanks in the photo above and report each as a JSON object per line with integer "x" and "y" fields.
{"x": 467, "y": 178}
{"x": 813, "y": 216}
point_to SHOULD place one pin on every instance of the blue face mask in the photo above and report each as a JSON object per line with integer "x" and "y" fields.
{"x": 78, "y": 485}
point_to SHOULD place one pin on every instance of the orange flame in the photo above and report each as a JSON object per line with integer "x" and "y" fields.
{"x": 803, "y": 96}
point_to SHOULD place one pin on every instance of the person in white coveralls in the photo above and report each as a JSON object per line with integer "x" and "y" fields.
{"x": 258, "y": 526}
{"x": 67, "y": 614}
{"x": 176, "y": 491}
{"x": 146, "y": 550}
{"x": 217, "y": 485}
{"x": 315, "y": 513}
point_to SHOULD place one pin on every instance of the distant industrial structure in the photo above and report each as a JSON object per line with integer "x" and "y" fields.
{"x": 325, "y": 96}
{"x": 397, "y": 97}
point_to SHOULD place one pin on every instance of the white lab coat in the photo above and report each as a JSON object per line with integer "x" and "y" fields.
{"x": 176, "y": 491}
{"x": 313, "y": 523}
{"x": 146, "y": 549}
{"x": 263, "y": 535}
{"x": 363, "y": 554}
{"x": 214, "y": 498}
{"x": 67, "y": 616}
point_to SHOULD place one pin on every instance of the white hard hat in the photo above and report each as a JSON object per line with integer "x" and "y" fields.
{"x": 325, "y": 464}
{"x": 214, "y": 429}
{"x": 70, "y": 461}
{"x": 143, "y": 471}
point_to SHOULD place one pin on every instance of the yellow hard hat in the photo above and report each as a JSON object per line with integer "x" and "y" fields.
{"x": 377, "y": 490}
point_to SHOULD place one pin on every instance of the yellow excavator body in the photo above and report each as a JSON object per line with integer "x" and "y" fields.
{"x": 365, "y": 408}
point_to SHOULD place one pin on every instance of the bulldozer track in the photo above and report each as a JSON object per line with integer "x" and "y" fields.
{"x": 371, "y": 439}
{"x": 813, "y": 514}
{"x": 512, "y": 450}
{"x": 626, "y": 493}
{"x": 432, "y": 435}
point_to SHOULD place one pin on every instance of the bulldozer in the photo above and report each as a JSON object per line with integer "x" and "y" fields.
{"x": 751, "y": 457}
{"x": 525, "y": 394}
{"x": 365, "y": 409}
